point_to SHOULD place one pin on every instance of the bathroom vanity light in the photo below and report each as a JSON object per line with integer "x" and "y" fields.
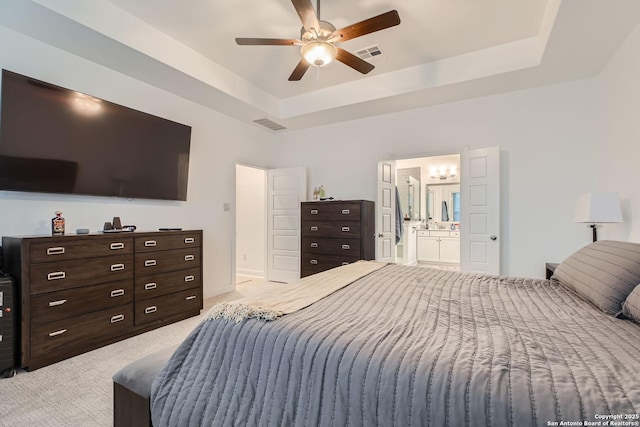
{"x": 442, "y": 173}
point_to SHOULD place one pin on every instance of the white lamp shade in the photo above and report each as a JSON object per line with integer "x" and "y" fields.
{"x": 598, "y": 208}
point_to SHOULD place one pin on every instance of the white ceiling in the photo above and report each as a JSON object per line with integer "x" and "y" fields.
{"x": 443, "y": 50}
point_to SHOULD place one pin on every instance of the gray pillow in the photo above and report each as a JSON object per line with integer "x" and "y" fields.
{"x": 631, "y": 306}
{"x": 603, "y": 272}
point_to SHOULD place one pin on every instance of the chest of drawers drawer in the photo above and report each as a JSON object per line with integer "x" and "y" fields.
{"x": 49, "y": 277}
{"x": 343, "y": 229}
{"x": 159, "y": 308}
{"x": 162, "y": 261}
{"x": 314, "y": 263}
{"x": 337, "y": 246}
{"x": 80, "y": 248}
{"x": 64, "y": 335}
{"x": 54, "y": 306}
{"x": 169, "y": 241}
{"x": 160, "y": 284}
{"x": 331, "y": 212}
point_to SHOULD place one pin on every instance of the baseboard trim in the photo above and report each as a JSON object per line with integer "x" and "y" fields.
{"x": 258, "y": 274}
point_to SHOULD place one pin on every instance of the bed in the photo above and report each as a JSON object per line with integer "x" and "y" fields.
{"x": 412, "y": 346}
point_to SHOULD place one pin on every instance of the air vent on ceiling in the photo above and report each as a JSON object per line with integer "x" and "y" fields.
{"x": 369, "y": 52}
{"x": 269, "y": 124}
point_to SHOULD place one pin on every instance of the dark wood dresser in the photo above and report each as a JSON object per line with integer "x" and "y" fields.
{"x": 81, "y": 292}
{"x": 336, "y": 233}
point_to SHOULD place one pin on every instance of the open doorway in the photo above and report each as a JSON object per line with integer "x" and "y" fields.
{"x": 429, "y": 199}
{"x": 251, "y": 223}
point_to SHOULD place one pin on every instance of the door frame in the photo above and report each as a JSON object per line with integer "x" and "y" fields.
{"x": 234, "y": 244}
{"x": 436, "y": 153}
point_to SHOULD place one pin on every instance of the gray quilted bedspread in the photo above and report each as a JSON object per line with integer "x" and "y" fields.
{"x": 408, "y": 346}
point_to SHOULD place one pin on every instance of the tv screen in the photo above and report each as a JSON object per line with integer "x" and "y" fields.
{"x": 57, "y": 140}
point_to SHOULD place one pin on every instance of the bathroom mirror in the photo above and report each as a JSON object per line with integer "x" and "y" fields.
{"x": 443, "y": 202}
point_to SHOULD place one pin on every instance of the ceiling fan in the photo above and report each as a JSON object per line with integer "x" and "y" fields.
{"x": 318, "y": 39}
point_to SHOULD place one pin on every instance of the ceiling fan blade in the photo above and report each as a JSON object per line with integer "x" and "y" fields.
{"x": 371, "y": 25}
{"x": 353, "y": 61}
{"x": 307, "y": 14}
{"x": 248, "y": 41}
{"x": 299, "y": 71}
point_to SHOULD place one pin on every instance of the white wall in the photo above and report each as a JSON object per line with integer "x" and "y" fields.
{"x": 217, "y": 144}
{"x": 251, "y": 221}
{"x": 547, "y": 137}
{"x": 619, "y": 148}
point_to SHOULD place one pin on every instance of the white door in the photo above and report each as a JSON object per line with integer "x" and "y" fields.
{"x": 480, "y": 211}
{"x": 386, "y": 247}
{"x": 286, "y": 188}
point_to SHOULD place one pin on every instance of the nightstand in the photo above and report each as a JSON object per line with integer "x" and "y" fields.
{"x": 550, "y": 267}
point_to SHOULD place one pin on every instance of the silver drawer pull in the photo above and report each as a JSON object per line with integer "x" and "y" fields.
{"x": 117, "y": 293}
{"x": 148, "y": 243}
{"x": 346, "y": 247}
{"x": 116, "y": 245}
{"x": 345, "y": 263}
{"x": 346, "y": 229}
{"x": 56, "y": 333}
{"x": 314, "y": 211}
{"x": 150, "y": 263}
{"x": 56, "y": 303}
{"x": 55, "y": 251}
{"x": 190, "y": 297}
{"x": 189, "y": 278}
{"x": 117, "y": 267}
{"x": 346, "y": 211}
{"x": 149, "y": 286}
{"x": 56, "y": 275}
{"x": 189, "y": 240}
{"x": 150, "y": 310}
{"x": 314, "y": 228}
{"x": 189, "y": 257}
{"x": 314, "y": 261}
{"x": 117, "y": 318}
{"x": 314, "y": 245}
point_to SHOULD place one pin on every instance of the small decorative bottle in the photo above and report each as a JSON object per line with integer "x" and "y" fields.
{"x": 321, "y": 192}
{"x": 57, "y": 224}
{"x": 315, "y": 193}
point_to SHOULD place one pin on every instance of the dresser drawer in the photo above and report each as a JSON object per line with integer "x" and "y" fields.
{"x": 64, "y": 336}
{"x": 336, "y": 246}
{"x": 54, "y": 306}
{"x": 67, "y": 249}
{"x": 344, "y": 229}
{"x": 49, "y": 277}
{"x": 157, "y": 309}
{"x": 334, "y": 211}
{"x": 315, "y": 263}
{"x": 159, "y": 262}
{"x": 169, "y": 241}
{"x": 165, "y": 283}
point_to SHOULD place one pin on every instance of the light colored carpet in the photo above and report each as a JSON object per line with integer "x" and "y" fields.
{"x": 78, "y": 391}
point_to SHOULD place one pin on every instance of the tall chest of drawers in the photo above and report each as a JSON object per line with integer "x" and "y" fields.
{"x": 336, "y": 233}
{"x": 80, "y": 292}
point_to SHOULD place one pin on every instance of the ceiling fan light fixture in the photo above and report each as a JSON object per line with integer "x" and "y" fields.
{"x": 319, "y": 52}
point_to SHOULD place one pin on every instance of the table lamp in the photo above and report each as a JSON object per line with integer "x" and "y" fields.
{"x": 598, "y": 208}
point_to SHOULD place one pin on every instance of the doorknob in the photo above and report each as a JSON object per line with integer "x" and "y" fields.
{"x": 380, "y": 235}
{"x": 493, "y": 237}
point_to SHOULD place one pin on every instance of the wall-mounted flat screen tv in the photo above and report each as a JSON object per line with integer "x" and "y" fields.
{"x": 56, "y": 140}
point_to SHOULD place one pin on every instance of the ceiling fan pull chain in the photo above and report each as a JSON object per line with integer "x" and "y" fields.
{"x": 318, "y": 75}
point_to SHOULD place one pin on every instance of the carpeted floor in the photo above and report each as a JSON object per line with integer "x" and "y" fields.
{"x": 77, "y": 392}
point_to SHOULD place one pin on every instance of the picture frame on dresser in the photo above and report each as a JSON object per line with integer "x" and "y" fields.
{"x": 81, "y": 292}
